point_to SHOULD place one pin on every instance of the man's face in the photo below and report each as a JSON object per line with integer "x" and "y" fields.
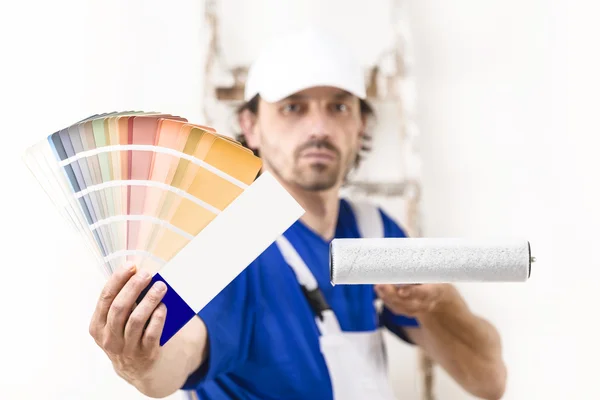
{"x": 309, "y": 139}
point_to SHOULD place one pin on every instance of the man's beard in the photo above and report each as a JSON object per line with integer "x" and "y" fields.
{"x": 318, "y": 176}
{"x": 314, "y": 177}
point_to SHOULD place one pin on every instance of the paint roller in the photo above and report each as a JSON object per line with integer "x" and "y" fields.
{"x": 428, "y": 260}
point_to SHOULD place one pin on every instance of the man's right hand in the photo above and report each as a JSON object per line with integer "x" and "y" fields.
{"x": 128, "y": 333}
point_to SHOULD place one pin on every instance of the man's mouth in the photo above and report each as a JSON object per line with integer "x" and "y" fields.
{"x": 319, "y": 154}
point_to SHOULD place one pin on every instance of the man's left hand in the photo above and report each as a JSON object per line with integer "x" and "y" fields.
{"x": 411, "y": 300}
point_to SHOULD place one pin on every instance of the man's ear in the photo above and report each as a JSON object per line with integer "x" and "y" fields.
{"x": 247, "y": 122}
{"x": 362, "y": 136}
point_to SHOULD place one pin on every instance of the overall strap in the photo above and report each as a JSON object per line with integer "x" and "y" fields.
{"x": 369, "y": 224}
{"x": 324, "y": 315}
{"x": 368, "y": 219}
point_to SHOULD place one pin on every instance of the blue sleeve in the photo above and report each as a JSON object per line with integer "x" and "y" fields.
{"x": 395, "y": 322}
{"x": 229, "y": 318}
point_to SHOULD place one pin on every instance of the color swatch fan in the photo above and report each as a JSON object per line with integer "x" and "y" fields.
{"x": 176, "y": 199}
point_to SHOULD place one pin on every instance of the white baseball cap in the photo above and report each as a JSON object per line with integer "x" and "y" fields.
{"x": 301, "y": 60}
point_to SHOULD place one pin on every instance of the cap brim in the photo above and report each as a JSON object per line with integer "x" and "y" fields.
{"x": 276, "y": 93}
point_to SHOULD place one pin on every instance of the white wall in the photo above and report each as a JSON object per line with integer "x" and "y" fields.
{"x": 68, "y": 59}
{"x": 500, "y": 158}
{"x": 510, "y": 147}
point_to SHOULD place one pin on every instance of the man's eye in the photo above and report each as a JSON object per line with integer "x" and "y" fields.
{"x": 290, "y": 108}
{"x": 341, "y": 107}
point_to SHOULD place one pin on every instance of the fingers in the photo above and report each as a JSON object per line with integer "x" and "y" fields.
{"x": 112, "y": 287}
{"x": 121, "y": 308}
{"x": 385, "y": 290}
{"x": 409, "y": 307}
{"x": 406, "y": 299}
{"x": 418, "y": 292}
{"x": 153, "y": 332}
{"x": 142, "y": 313}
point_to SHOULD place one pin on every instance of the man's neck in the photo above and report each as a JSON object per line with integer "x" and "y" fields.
{"x": 321, "y": 209}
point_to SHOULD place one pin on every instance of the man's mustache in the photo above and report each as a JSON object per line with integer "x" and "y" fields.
{"x": 318, "y": 144}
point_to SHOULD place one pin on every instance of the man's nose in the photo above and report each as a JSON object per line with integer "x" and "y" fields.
{"x": 318, "y": 122}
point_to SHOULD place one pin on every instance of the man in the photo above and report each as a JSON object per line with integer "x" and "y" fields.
{"x": 269, "y": 334}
